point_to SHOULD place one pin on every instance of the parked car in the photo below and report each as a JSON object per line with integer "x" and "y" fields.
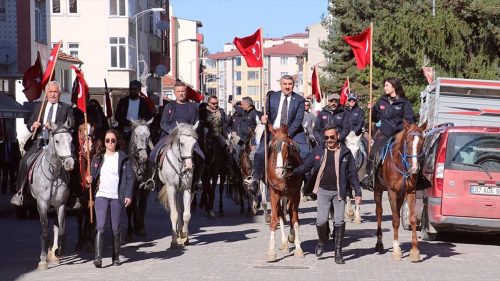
{"x": 462, "y": 167}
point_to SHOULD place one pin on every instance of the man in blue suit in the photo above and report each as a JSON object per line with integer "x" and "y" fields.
{"x": 284, "y": 107}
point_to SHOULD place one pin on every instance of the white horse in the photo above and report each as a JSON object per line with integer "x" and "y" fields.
{"x": 49, "y": 188}
{"x": 355, "y": 144}
{"x": 176, "y": 173}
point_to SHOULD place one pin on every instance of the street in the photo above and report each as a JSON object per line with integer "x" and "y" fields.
{"x": 234, "y": 247}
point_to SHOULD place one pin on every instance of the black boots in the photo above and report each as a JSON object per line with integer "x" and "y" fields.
{"x": 339, "y": 238}
{"x": 99, "y": 240}
{"x": 367, "y": 182}
{"x": 116, "y": 249}
{"x": 322, "y": 239}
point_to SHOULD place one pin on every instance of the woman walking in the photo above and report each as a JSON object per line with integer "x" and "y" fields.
{"x": 111, "y": 175}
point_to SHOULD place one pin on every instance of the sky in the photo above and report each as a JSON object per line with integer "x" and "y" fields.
{"x": 225, "y": 19}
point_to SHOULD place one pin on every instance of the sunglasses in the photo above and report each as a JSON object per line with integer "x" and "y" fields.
{"x": 330, "y": 137}
{"x": 110, "y": 140}
{"x": 333, "y": 101}
{"x": 214, "y": 103}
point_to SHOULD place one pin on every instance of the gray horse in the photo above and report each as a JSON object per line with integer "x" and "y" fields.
{"x": 138, "y": 152}
{"x": 176, "y": 173}
{"x": 49, "y": 188}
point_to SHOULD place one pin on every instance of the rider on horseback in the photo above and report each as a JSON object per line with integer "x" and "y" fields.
{"x": 55, "y": 112}
{"x": 248, "y": 122}
{"x": 354, "y": 116}
{"x": 389, "y": 113}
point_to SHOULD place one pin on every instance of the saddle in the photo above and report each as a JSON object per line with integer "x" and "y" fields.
{"x": 30, "y": 164}
{"x": 382, "y": 154}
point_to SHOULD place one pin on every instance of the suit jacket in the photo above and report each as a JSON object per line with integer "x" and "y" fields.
{"x": 295, "y": 114}
{"x": 122, "y": 108}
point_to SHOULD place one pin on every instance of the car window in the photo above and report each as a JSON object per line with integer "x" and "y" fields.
{"x": 465, "y": 150}
{"x": 430, "y": 157}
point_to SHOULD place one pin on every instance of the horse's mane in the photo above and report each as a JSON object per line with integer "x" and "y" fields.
{"x": 181, "y": 129}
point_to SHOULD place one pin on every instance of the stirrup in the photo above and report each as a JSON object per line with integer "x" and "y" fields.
{"x": 148, "y": 185}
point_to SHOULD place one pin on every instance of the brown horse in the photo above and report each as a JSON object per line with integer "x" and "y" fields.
{"x": 398, "y": 175}
{"x": 284, "y": 190}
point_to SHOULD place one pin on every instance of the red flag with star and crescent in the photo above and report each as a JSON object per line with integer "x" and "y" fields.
{"x": 32, "y": 80}
{"x": 316, "y": 90}
{"x": 361, "y": 46}
{"x": 80, "y": 93}
{"x": 51, "y": 64}
{"x": 344, "y": 93}
{"x": 251, "y": 48}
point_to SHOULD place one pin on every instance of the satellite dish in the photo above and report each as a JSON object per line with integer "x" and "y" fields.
{"x": 161, "y": 70}
{"x": 162, "y": 25}
{"x": 7, "y": 53}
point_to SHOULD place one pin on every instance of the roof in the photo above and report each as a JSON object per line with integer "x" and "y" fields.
{"x": 285, "y": 49}
{"x": 10, "y": 108}
{"x": 297, "y": 35}
{"x": 65, "y": 57}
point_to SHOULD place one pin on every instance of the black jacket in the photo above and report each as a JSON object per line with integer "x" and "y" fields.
{"x": 392, "y": 115}
{"x": 326, "y": 117}
{"x": 126, "y": 175}
{"x": 248, "y": 121}
{"x": 347, "y": 170}
{"x": 122, "y": 108}
{"x": 354, "y": 119}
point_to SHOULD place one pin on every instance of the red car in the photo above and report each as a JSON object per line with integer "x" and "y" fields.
{"x": 462, "y": 167}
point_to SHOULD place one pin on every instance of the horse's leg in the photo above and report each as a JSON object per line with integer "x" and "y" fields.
{"x": 357, "y": 214}
{"x": 42, "y": 211}
{"x": 414, "y": 252}
{"x": 396, "y": 203}
{"x": 59, "y": 235}
{"x": 186, "y": 216}
{"x": 211, "y": 196}
{"x": 174, "y": 215}
{"x": 143, "y": 203}
{"x": 349, "y": 212}
{"x": 377, "y": 196}
{"x": 281, "y": 216}
{"x": 294, "y": 221}
{"x": 221, "y": 193}
{"x": 81, "y": 235}
{"x": 263, "y": 192}
{"x": 273, "y": 224}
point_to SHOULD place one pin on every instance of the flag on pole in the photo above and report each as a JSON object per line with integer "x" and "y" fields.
{"x": 428, "y": 73}
{"x": 193, "y": 95}
{"x": 148, "y": 100}
{"x": 344, "y": 93}
{"x": 251, "y": 48}
{"x": 51, "y": 64}
{"x": 109, "y": 108}
{"x": 32, "y": 80}
{"x": 361, "y": 45}
{"x": 80, "y": 92}
{"x": 316, "y": 90}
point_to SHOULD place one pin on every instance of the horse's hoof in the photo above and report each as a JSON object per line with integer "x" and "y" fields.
{"x": 268, "y": 218}
{"x": 43, "y": 265}
{"x": 284, "y": 248}
{"x": 271, "y": 257}
{"x": 52, "y": 258}
{"x": 186, "y": 243}
{"x": 357, "y": 221}
{"x": 414, "y": 255}
{"x": 396, "y": 256}
{"x": 183, "y": 235}
{"x": 291, "y": 238}
{"x": 174, "y": 246}
{"x": 379, "y": 247}
{"x": 299, "y": 253}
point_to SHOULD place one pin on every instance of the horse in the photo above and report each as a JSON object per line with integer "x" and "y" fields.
{"x": 176, "y": 173}
{"x": 49, "y": 188}
{"x": 398, "y": 175}
{"x": 138, "y": 153}
{"x": 283, "y": 158}
{"x": 357, "y": 145}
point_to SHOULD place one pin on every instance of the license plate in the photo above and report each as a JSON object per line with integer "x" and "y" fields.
{"x": 484, "y": 190}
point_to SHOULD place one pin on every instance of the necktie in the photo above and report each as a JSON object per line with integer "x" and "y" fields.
{"x": 51, "y": 113}
{"x": 284, "y": 112}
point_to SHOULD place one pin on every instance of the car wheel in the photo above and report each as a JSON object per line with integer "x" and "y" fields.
{"x": 405, "y": 216}
{"x": 424, "y": 227}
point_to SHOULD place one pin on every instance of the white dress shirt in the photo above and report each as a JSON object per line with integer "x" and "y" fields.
{"x": 277, "y": 121}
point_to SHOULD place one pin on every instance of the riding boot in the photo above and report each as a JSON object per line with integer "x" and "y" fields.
{"x": 322, "y": 239}
{"x": 116, "y": 249}
{"x": 339, "y": 239}
{"x": 367, "y": 181}
{"x": 99, "y": 240}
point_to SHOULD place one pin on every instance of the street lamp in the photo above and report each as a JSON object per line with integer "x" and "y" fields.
{"x": 177, "y": 54}
{"x": 135, "y": 19}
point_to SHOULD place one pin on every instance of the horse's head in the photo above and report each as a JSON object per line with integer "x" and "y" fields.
{"x": 140, "y": 139}
{"x": 413, "y": 142}
{"x": 60, "y": 141}
{"x": 283, "y": 155}
{"x": 186, "y": 140}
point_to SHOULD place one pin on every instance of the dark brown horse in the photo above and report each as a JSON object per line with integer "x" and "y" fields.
{"x": 284, "y": 190}
{"x": 398, "y": 175}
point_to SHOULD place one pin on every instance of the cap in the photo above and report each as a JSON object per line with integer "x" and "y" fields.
{"x": 352, "y": 96}
{"x": 333, "y": 97}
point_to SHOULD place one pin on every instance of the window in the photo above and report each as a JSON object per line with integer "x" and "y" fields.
{"x": 253, "y": 75}
{"x": 212, "y": 91}
{"x": 237, "y": 61}
{"x": 252, "y": 90}
{"x": 283, "y": 74}
{"x": 73, "y": 49}
{"x": 73, "y": 6}
{"x": 118, "y": 52}
{"x": 238, "y": 90}
{"x": 66, "y": 85}
{"x": 2, "y": 10}
{"x": 40, "y": 21}
{"x": 284, "y": 60}
{"x": 117, "y": 7}
{"x": 257, "y": 105}
{"x": 237, "y": 76}
{"x": 56, "y": 6}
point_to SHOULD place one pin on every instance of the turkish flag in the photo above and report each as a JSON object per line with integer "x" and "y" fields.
{"x": 251, "y": 48}
{"x": 109, "y": 108}
{"x": 361, "y": 46}
{"x": 193, "y": 95}
{"x": 149, "y": 102}
{"x": 344, "y": 93}
{"x": 428, "y": 73}
{"x": 32, "y": 80}
{"x": 316, "y": 91}
{"x": 80, "y": 92}
{"x": 51, "y": 64}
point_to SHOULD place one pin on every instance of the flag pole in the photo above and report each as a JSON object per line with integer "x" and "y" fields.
{"x": 263, "y": 102}
{"x": 371, "y": 96}
{"x": 45, "y": 93}
{"x": 91, "y": 202}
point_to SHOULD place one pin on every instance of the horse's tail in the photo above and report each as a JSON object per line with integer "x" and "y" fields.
{"x": 163, "y": 197}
